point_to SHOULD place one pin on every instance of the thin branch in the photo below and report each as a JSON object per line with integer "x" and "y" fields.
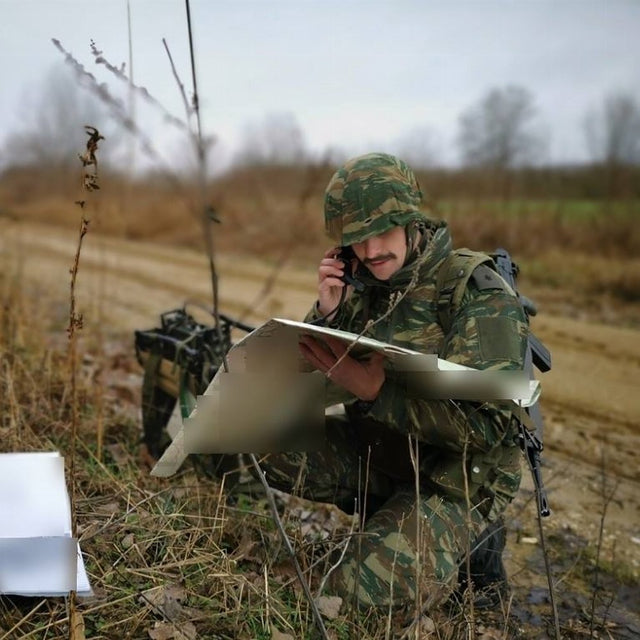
{"x": 606, "y": 500}
{"x": 202, "y": 176}
{"x": 415, "y": 463}
{"x": 547, "y": 563}
{"x": 187, "y": 109}
{"x": 289, "y": 547}
{"x": 144, "y": 92}
{"x": 391, "y": 584}
{"x": 119, "y": 112}
{"x": 194, "y": 77}
{"x": 333, "y": 567}
{"x": 89, "y": 183}
{"x": 467, "y": 497}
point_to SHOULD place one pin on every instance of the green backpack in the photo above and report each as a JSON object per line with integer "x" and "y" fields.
{"x": 494, "y": 270}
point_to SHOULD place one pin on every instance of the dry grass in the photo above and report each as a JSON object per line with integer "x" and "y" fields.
{"x": 265, "y": 209}
{"x": 156, "y": 552}
{"x": 572, "y": 253}
{"x": 165, "y": 558}
{"x": 593, "y": 275}
{"x": 583, "y": 250}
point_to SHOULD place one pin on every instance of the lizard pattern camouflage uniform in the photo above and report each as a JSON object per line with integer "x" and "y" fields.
{"x": 412, "y": 544}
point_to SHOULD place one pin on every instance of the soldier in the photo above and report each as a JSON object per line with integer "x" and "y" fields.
{"x": 433, "y": 476}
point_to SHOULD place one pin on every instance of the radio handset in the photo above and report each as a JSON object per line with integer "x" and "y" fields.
{"x": 347, "y": 256}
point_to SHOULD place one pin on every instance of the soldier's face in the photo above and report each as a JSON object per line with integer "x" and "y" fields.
{"x": 383, "y": 255}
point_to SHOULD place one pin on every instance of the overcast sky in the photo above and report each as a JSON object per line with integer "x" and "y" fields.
{"x": 357, "y": 75}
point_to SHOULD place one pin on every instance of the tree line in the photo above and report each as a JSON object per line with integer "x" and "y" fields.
{"x": 500, "y": 139}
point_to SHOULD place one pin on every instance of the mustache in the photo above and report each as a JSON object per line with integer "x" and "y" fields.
{"x": 385, "y": 256}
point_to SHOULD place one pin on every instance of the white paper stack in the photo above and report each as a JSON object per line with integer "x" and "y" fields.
{"x": 38, "y": 555}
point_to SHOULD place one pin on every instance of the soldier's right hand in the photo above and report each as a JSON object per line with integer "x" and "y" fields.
{"x": 330, "y": 286}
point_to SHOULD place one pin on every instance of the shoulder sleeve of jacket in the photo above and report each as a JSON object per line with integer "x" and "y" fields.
{"x": 489, "y": 330}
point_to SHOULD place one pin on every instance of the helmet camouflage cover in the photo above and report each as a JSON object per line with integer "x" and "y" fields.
{"x": 369, "y": 195}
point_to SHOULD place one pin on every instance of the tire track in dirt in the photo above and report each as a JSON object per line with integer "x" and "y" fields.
{"x": 139, "y": 257}
{"x": 580, "y": 435}
{"x": 591, "y": 396}
{"x": 585, "y": 337}
{"x": 133, "y": 282}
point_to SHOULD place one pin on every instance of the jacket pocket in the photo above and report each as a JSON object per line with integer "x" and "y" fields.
{"x": 448, "y": 473}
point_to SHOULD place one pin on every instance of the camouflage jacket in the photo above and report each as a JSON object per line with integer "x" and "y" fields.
{"x": 489, "y": 331}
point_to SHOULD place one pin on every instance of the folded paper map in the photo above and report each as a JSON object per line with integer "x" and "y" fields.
{"x": 270, "y": 388}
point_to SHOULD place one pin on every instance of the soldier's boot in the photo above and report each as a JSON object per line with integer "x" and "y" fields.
{"x": 488, "y": 574}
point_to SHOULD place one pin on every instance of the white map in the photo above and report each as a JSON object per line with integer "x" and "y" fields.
{"x": 270, "y": 360}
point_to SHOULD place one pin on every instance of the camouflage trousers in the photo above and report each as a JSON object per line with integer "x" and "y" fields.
{"x": 409, "y": 546}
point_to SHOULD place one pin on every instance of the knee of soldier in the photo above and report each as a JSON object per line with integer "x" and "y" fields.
{"x": 387, "y": 574}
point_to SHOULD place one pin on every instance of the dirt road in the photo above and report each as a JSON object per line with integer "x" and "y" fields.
{"x": 591, "y": 398}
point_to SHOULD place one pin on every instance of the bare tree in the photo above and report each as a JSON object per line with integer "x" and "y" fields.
{"x": 500, "y": 131}
{"x": 277, "y": 139}
{"x": 53, "y": 123}
{"x": 613, "y": 130}
{"x": 613, "y": 138}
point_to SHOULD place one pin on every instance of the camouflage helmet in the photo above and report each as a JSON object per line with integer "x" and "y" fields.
{"x": 369, "y": 195}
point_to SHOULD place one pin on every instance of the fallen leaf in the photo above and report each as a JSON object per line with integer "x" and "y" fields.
{"x": 329, "y": 606}
{"x": 244, "y": 548}
{"x": 109, "y": 509}
{"x": 423, "y": 628}
{"x": 277, "y": 635}
{"x": 119, "y": 454}
{"x": 427, "y": 625}
{"x": 166, "y": 600}
{"x": 128, "y": 541}
{"x": 172, "y": 631}
{"x": 284, "y": 571}
{"x": 88, "y": 530}
{"x": 161, "y": 631}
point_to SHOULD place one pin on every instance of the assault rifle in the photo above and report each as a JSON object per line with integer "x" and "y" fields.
{"x": 539, "y": 356}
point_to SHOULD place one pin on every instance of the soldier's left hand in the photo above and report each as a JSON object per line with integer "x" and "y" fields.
{"x": 363, "y": 378}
